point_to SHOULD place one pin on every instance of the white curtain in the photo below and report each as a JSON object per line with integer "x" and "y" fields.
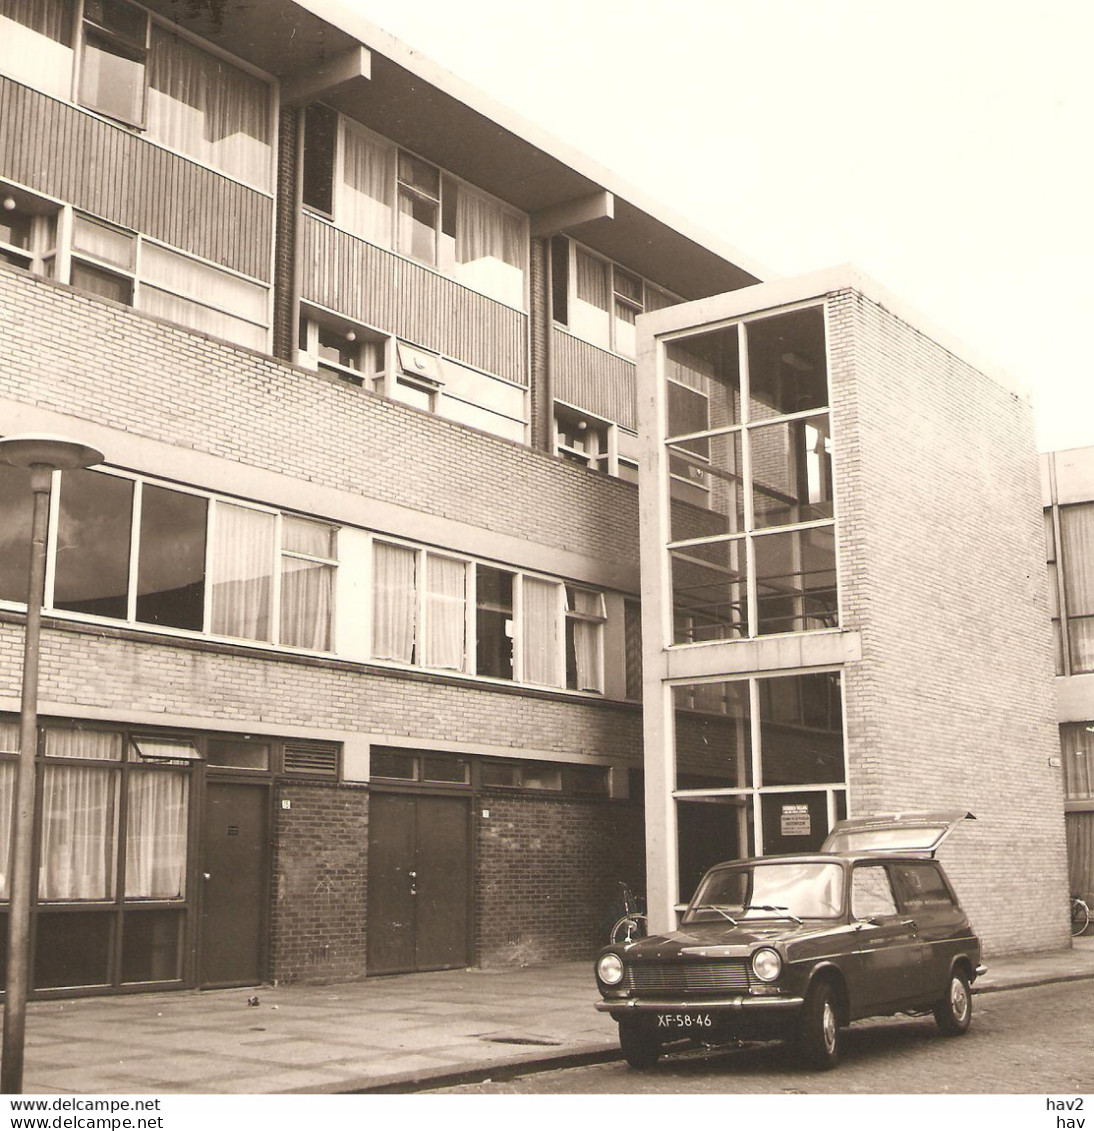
{"x": 155, "y": 845}
{"x": 446, "y": 613}
{"x": 368, "y": 183}
{"x": 71, "y": 742}
{"x": 540, "y": 623}
{"x": 1077, "y": 547}
{"x": 79, "y": 827}
{"x": 585, "y": 638}
{"x": 590, "y": 311}
{"x": 242, "y": 572}
{"x": 490, "y": 248}
{"x": 307, "y": 603}
{"x": 394, "y": 603}
{"x": 205, "y": 284}
{"x": 7, "y": 804}
{"x": 208, "y": 109}
{"x": 34, "y": 45}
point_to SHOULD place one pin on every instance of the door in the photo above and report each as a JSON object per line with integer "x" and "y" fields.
{"x": 889, "y": 952}
{"x": 233, "y": 883}
{"x": 419, "y": 876}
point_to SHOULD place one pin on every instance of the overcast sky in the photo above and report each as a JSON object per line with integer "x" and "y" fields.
{"x": 943, "y": 148}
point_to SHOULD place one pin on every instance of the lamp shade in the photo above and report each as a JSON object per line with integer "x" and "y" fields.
{"x": 41, "y": 450}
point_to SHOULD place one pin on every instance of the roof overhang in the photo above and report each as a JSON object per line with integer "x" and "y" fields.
{"x": 421, "y": 106}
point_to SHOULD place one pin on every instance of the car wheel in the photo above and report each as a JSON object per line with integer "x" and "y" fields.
{"x": 640, "y": 1044}
{"x": 819, "y": 1039}
{"x": 954, "y": 1012}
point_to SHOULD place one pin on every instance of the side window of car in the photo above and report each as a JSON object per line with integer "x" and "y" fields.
{"x": 920, "y": 887}
{"x": 871, "y": 893}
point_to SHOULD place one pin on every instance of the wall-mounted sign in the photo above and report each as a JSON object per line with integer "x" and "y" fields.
{"x": 795, "y": 820}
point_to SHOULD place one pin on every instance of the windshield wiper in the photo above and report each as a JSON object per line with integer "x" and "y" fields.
{"x": 770, "y": 907}
{"x": 715, "y": 907}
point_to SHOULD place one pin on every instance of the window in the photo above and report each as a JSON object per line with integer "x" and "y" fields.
{"x": 259, "y": 576}
{"x": 597, "y": 300}
{"x": 115, "y": 52}
{"x": 761, "y": 759}
{"x": 520, "y": 775}
{"x": 103, "y": 259}
{"x": 920, "y": 888}
{"x": 871, "y": 892}
{"x": 494, "y": 622}
{"x": 1076, "y": 559}
{"x": 391, "y": 197}
{"x": 632, "y": 647}
{"x": 752, "y": 548}
{"x": 28, "y": 232}
{"x": 584, "y": 639}
{"x": 36, "y": 44}
{"x": 407, "y": 766}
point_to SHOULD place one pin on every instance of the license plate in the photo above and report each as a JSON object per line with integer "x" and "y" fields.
{"x": 684, "y": 1021}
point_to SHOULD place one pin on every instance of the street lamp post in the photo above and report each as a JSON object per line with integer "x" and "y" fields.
{"x": 41, "y": 455}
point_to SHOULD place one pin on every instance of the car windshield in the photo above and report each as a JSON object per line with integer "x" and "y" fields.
{"x": 765, "y": 891}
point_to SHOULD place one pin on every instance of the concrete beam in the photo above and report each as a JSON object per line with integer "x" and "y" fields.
{"x": 599, "y": 205}
{"x": 307, "y": 85}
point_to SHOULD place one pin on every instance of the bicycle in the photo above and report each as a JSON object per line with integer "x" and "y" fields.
{"x": 632, "y": 924}
{"x": 1080, "y": 915}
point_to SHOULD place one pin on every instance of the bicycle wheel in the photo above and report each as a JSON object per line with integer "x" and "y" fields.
{"x": 628, "y": 928}
{"x": 1080, "y": 916}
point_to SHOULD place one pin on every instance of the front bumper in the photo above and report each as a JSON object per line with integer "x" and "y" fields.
{"x": 739, "y": 1003}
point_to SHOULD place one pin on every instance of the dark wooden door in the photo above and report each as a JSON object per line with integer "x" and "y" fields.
{"x": 418, "y": 883}
{"x": 233, "y": 883}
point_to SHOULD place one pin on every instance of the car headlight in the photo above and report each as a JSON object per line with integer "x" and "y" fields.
{"x": 609, "y": 969}
{"x": 766, "y": 964}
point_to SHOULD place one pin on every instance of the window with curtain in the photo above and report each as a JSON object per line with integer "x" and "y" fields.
{"x": 242, "y": 572}
{"x": 394, "y": 602}
{"x": 307, "y": 583}
{"x": 584, "y": 639}
{"x": 79, "y": 833}
{"x": 490, "y": 247}
{"x": 155, "y": 844}
{"x": 209, "y": 109}
{"x": 1077, "y": 561}
{"x": 590, "y": 310}
{"x": 542, "y": 645}
{"x": 1077, "y": 743}
{"x": 446, "y": 613}
{"x": 368, "y": 184}
{"x": 36, "y": 44}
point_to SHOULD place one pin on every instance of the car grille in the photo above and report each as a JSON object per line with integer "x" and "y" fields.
{"x": 698, "y": 977}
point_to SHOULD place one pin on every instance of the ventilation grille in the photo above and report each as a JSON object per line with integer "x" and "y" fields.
{"x": 312, "y": 759}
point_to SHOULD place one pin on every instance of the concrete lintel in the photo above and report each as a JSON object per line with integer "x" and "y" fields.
{"x": 771, "y": 654}
{"x": 599, "y": 205}
{"x": 311, "y": 83}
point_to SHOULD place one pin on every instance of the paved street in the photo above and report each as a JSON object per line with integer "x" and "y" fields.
{"x": 1033, "y": 1040}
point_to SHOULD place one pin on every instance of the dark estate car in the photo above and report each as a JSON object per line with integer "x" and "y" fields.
{"x": 796, "y": 947}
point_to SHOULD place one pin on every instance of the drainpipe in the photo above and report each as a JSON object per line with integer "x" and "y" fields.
{"x": 547, "y": 415}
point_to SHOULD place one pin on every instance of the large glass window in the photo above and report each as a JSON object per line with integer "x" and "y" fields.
{"x": 752, "y": 535}
{"x": 242, "y": 572}
{"x": 16, "y": 510}
{"x": 494, "y": 622}
{"x": 584, "y": 639}
{"x": 171, "y": 565}
{"x": 112, "y": 64}
{"x": 307, "y": 583}
{"x": 759, "y": 766}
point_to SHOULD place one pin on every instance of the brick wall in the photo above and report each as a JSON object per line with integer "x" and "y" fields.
{"x": 547, "y": 875}
{"x": 183, "y": 388}
{"x": 319, "y": 897}
{"x": 942, "y": 572}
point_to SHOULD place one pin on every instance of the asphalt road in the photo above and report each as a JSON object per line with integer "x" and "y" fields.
{"x": 1021, "y": 1041}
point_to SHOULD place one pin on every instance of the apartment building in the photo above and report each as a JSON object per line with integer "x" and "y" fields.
{"x": 1067, "y": 492}
{"x": 342, "y": 667}
{"x": 341, "y": 671}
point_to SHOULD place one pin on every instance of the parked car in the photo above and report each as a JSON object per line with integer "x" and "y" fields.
{"x": 797, "y": 947}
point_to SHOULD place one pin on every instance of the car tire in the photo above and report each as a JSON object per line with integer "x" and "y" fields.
{"x": 954, "y": 1012}
{"x": 819, "y": 1040}
{"x": 640, "y": 1044}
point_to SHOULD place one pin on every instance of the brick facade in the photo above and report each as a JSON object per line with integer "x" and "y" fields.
{"x": 942, "y": 572}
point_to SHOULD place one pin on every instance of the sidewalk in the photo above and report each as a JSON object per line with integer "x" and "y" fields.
{"x": 390, "y": 1034}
